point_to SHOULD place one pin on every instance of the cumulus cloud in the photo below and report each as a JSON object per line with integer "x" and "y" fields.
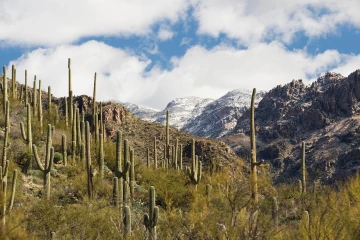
{"x": 48, "y": 23}
{"x": 165, "y": 33}
{"x": 200, "y": 72}
{"x": 257, "y": 20}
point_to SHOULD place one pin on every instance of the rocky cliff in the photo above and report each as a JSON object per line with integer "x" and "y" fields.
{"x": 325, "y": 115}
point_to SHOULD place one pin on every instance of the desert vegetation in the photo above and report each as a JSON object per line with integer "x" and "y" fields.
{"x": 62, "y": 177}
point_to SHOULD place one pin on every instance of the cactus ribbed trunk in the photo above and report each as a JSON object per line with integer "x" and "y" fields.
{"x": 88, "y": 161}
{"x": 303, "y": 167}
{"x": 34, "y": 98}
{"x": 49, "y": 157}
{"x": 5, "y": 89}
{"x": 167, "y": 136}
{"x": 155, "y": 154}
{"x": 94, "y": 103}
{"x": 253, "y": 172}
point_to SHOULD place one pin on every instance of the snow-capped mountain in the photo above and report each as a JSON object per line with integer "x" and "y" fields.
{"x": 203, "y": 117}
{"x": 220, "y": 116}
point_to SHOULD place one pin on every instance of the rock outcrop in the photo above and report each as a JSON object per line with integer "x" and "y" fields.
{"x": 326, "y": 115}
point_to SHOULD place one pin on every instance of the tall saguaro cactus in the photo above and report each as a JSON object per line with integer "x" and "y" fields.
{"x": 132, "y": 172}
{"x": 121, "y": 171}
{"x": 26, "y": 88}
{"x": 167, "y": 136}
{"x": 90, "y": 174}
{"x": 94, "y": 103}
{"x": 150, "y": 220}
{"x": 49, "y": 157}
{"x": 196, "y": 167}
{"x": 34, "y": 99}
{"x": 40, "y": 112}
{"x": 4, "y": 88}
{"x": 253, "y": 172}
{"x": 155, "y": 154}
{"x": 63, "y": 149}
{"x": 70, "y": 103}
{"x": 13, "y": 81}
{"x": 127, "y": 222}
{"x": 28, "y": 135}
{"x": 303, "y": 167}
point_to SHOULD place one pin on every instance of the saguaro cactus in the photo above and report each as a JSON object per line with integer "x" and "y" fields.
{"x": 303, "y": 167}
{"x": 155, "y": 154}
{"x": 34, "y": 98}
{"x": 253, "y": 172}
{"x": 26, "y": 89}
{"x": 196, "y": 167}
{"x": 116, "y": 196}
{"x": 28, "y": 135}
{"x": 94, "y": 103}
{"x": 64, "y": 152}
{"x": 101, "y": 156}
{"x": 4, "y": 88}
{"x": 3, "y": 187}
{"x": 40, "y": 112}
{"x": 127, "y": 222}
{"x": 150, "y": 220}
{"x": 121, "y": 173}
{"x": 90, "y": 173}
{"x": 13, "y": 81}
{"x": 49, "y": 157}
{"x": 167, "y": 135}
{"x": 132, "y": 172}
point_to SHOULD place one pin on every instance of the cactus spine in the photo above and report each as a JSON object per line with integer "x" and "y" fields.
{"x": 253, "y": 172}
{"x": 28, "y": 135}
{"x": 303, "y": 167}
{"x": 150, "y": 220}
{"x": 49, "y": 157}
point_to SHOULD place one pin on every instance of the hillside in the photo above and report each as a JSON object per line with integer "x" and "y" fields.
{"x": 325, "y": 115}
{"x": 70, "y": 193}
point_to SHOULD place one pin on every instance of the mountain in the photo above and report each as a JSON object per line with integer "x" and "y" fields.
{"x": 324, "y": 115}
{"x": 220, "y": 116}
{"x": 199, "y": 116}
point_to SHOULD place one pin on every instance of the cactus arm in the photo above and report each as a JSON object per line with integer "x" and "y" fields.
{"x": 51, "y": 159}
{"x": 13, "y": 188}
{"x": 23, "y": 133}
{"x": 37, "y": 158}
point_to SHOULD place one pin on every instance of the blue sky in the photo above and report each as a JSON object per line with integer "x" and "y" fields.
{"x": 151, "y": 52}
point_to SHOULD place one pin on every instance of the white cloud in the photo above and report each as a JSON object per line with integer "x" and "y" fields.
{"x": 119, "y": 74}
{"x": 42, "y": 22}
{"x": 255, "y": 20}
{"x": 185, "y": 41}
{"x": 200, "y": 72}
{"x": 165, "y": 33}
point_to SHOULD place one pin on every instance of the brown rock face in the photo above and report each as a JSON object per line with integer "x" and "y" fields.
{"x": 326, "y": 115}
{"x": 113, "y": 115}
